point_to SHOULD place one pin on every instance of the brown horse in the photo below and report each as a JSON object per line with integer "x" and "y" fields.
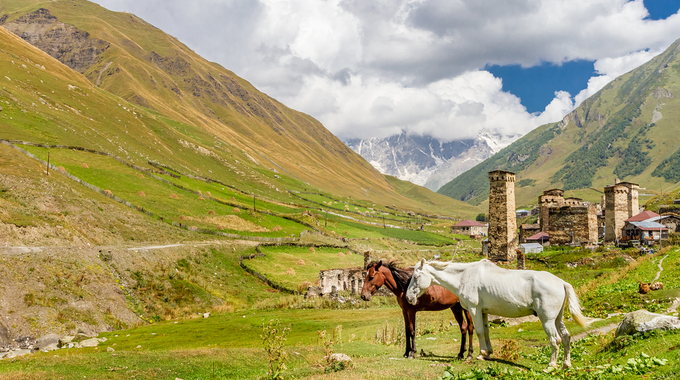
{"x": 435, "y": 298}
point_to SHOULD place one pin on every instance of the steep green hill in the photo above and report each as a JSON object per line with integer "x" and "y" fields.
{"x": 627, "y": 130}
{"x": 161, "y": 101}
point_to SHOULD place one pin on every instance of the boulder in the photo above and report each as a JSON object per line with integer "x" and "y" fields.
{"x": 90, "y": 343}
{"x": 206, "y": 315}
{"x": 110, "y": 349}
{"x": 340, "y": 358}
{"x": 49, "y": 347}
{"x": 643, "y": 321}
{"x": 47, "y": 340}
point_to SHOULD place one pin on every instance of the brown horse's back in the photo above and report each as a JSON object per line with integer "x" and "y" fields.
{"x": 434, "y": 299}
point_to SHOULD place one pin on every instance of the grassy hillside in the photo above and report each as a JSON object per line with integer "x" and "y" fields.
{"x": 624, "y": 131}
{"x": 164, "y": 103}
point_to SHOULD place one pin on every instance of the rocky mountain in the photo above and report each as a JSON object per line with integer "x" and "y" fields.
{"x": 425, "y": 160}
{"x": 627, "y": 130}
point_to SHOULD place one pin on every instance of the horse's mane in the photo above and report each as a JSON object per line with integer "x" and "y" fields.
{"x": 402, "y": 276}
{"x": 440, "y": 265}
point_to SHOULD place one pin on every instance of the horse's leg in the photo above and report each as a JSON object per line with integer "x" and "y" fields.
{"x": 489, "y": 350}
{"x": 458, "y": 314}
{"x": 470, "y": 331}
{"x": 564, "y": 334}
{"x": 554, "y": 337}
{"x": 409, "y": 322}
{"x": 479, "y": 329}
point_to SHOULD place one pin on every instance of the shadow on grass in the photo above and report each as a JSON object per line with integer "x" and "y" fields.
{"x": 454, "y": 359}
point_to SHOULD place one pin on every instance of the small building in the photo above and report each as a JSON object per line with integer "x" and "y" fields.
{"x": 646, "y": 232}
{"x": 470, "y": 228}
{"x": 539, "y": 238}
{"x": 530, "y": 248}
{"x": 522, "y": 213}
{"x": 526, "y": 230}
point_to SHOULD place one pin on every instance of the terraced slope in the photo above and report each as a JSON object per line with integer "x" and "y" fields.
{"x": 628, "y": 130}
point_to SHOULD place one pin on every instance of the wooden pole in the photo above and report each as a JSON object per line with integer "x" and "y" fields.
{"x": 254, "y": 209}
{"x": 48, "y": 163}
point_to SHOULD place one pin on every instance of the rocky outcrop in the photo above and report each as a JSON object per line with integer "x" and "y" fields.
{"x": 644, "y": 321}
{"x": 71, "y": 46}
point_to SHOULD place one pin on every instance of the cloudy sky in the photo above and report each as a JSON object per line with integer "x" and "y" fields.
{"x": 447, "y": 68}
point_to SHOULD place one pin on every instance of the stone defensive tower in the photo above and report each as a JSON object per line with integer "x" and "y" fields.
{"x": 502, "y": 218}
{"x": 550, "y": 198}
{"x": 621, "y": 203}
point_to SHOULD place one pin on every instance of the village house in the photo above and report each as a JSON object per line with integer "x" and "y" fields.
{"x": 526, "y": 230}
{"x": 470, "y": 228}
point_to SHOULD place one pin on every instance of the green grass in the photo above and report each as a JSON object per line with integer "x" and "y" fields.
{"x": 280, "y": 259}
{"x": 127, "y": 183}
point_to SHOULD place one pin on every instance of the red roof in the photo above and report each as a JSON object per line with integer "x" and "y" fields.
{"x": 642, "y": 216}
{"x": 539, "y": 236}
{"x": 469, "y": 223}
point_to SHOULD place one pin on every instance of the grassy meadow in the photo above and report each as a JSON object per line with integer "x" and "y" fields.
{"x": 229, "y": 343}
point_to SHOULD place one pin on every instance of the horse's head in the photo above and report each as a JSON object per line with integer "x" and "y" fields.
{"x": 419, "y": 283}
{"x": 373, "y": 281}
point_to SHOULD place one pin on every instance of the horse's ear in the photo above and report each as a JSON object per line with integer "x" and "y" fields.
{"x": 377, "y": 266}
{"x": 422, "y": 262}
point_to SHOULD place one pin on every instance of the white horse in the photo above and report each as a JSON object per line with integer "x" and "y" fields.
{"x": 483, "y": 288}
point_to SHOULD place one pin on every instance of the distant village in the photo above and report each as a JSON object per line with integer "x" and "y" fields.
{"x": 617, "y": 219}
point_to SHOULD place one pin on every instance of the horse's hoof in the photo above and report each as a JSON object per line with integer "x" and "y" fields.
{"x": 481, "y": 357}
{"x": 566, "y": 365}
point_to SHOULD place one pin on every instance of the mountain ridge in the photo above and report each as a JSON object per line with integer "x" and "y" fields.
{"x": 623, "y": 131}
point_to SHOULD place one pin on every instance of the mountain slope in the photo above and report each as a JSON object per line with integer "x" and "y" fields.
{"x": 628, "y": 130}
{"x": 45, "y": 101}
{"x": 128, "y": 57}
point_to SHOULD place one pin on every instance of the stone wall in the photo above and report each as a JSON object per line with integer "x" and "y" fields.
{"x": 572, "y": 224}
{"x": 502, "y": 219}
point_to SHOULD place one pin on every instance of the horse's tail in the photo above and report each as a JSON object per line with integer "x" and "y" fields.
{"x": 575, "y": 307}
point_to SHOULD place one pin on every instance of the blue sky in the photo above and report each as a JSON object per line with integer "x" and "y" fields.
{"x": 450, "y": 69}
{"x": 536, "y": 86}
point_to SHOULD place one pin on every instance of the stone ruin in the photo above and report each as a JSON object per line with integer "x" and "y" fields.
{"x": 332, "y": 281}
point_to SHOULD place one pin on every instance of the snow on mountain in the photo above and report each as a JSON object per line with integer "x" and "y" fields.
{"x": 425, "y": 160}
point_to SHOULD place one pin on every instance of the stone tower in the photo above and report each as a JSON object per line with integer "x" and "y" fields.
{"x": 550, "y": 198}
{"x": 502, "y": 218}
{"x": 621, "y": 203}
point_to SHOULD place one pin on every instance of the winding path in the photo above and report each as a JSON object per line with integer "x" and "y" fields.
{"x": 612, "y": 326}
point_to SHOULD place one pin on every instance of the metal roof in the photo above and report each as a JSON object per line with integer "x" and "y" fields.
{"x": 649, "y": 226}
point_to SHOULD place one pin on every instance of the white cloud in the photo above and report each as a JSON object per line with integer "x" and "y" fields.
{"x": 611, "y": 68}
{"x": 372, "y": 68}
